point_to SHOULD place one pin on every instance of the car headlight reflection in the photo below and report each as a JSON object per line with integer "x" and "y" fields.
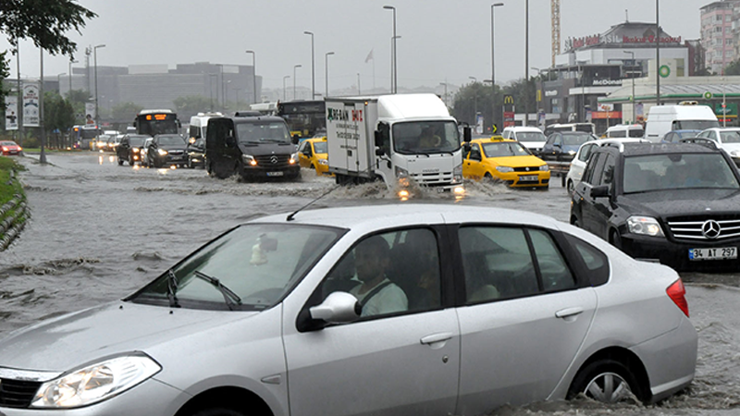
{"x": 161, "y": 152}
{"x": 323, "y": 162}
{"x": 504, "y": 169}
{"x": 96, "y": 382}
{"x": 544, "y": 168}
{"x": 293, "y": 159}
{"x": 249, "y": 160}
{"x": 644, "y": 226}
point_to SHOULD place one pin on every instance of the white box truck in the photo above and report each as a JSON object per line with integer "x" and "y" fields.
{"x": 687, "y": 115}
{"x": 403, "y": 139}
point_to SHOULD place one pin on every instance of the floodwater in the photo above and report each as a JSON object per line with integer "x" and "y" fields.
{"x": 99, "y": 231}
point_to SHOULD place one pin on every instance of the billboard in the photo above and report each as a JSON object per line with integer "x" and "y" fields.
{"x": 31, "y": 109}
{"x": 11, "y": 112}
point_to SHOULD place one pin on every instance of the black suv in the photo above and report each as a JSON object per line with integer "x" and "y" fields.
{"x": 129, "y": 150}
{"x": 253, "y": 147}
{"x": 676, "y": 203}
{"x": 167, "y": 150}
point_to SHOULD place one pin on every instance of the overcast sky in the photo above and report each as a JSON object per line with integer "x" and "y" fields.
{"x": 441, "y": 40}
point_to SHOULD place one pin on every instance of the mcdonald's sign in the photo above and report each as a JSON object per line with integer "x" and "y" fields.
{"x": 508, "y": 99}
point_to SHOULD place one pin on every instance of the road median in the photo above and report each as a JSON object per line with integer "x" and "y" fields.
{"x": 13, "y": 208}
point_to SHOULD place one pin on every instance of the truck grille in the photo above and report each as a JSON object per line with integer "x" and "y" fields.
{"x": 433, "y": 179}
{"x": 273, "y": 161}
{"x": 705, "y": 228}
{"x": 17, "y": 393}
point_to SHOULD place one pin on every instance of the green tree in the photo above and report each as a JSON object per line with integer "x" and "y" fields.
{"x": 192, "y": 104}
{"x": 126, "y": 111}
{"x": 59, "y": 116}
{"x": 45, "y": 22}
{"x": 733, "y": 68}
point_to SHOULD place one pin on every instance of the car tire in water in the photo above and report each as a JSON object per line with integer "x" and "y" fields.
{"x": 120, "y": 162}
{"x": 608, "y": 381}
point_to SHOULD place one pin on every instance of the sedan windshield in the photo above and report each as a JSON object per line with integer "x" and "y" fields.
{"x": 503, "y": 149}
{"x": 730, "y": 136}
{"x": 250, "y": 268}
{"x": 171, "y": 140}
{"x": 575, "y": 139}
{"x": 320, "y": 147}
{"x": 275, "y": 132}
{"x": 531, "y": 137}
{"x": 426, "y": 137}
{"x": 677, "y": 171}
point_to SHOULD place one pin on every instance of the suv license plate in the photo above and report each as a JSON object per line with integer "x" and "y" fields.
{"x": 529, "y": 178}
{"x": 721, "y": 253}
{"x": 274, "y": 173}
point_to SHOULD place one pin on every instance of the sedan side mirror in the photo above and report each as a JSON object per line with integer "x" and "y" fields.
{"x": 600, "y": 191}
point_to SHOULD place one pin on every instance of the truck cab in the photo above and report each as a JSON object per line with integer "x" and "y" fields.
{"x": 402, "y": 139}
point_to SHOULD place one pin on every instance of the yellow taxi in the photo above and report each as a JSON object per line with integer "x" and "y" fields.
{"x": 312, "y": 154}
{"x": 506, "y": 160}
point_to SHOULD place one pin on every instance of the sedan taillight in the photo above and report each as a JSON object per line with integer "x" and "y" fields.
{"x": 677, "y": 292}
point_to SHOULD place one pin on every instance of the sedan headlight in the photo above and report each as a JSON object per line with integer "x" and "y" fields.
{"x": 135, "y": 150}
{"x": 544, "y": 168}
{"x": 504, "y": 169}
{"x": 323, "y": 162}
{"x": 457, "y": 173}
{"x": 644, "y": 226}
{"x": 735, "y": 153}
{"x": 161, "y": 152}
{"x": 571, "y": 152}
{"x": 96, "y": 382}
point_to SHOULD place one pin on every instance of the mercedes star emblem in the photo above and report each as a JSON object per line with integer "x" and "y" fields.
{"x": 710, "y": 229}
{"x": 273, "y": 159}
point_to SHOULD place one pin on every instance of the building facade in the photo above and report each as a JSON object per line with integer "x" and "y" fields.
{"x": 717, "y": 36}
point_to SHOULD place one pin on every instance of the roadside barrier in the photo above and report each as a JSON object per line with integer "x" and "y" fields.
{"x": 13, "y": 217}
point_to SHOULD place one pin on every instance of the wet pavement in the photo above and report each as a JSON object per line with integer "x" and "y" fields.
{"x": 99, "y": 231}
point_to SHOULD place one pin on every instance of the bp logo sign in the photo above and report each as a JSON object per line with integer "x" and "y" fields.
{"x": 708, "y": 95}
{"x": 664, "y": 71}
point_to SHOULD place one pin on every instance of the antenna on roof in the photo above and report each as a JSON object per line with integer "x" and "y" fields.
{"x": 290, "y": 217}
{"x": 626, "y": 16}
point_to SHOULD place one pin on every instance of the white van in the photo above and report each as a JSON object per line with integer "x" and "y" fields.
{"x": 687, "y": 115}
{"x": 199, "y": 125}
{"x": 585, "y": 127}
{"x": 624, "y": 130}
{"x": 530, "y": 137}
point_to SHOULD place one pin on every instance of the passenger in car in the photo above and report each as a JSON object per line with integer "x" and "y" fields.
{"x": 377, "y": 294}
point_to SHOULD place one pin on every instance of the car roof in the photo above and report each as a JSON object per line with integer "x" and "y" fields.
{"x": 377, "y": 217}
{"x": 493, "y": 139}
{"x": 641, "y": 149}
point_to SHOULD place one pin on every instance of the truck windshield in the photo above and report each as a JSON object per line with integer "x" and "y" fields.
{"x": 415, "y": 137}
{"x": 275, "y": 132}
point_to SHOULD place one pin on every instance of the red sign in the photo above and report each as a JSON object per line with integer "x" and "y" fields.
{"x": 605, "y": 114}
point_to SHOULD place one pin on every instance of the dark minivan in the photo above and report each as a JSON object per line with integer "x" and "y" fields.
{"x": 253, "y": 147}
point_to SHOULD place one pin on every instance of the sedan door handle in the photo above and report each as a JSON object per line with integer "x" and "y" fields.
{"x": 566, "y": 313}
{"x": 434, "y": 338}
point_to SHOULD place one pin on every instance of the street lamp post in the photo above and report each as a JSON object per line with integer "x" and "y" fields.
{"x": 313, "y": 74}
{"x": 42, "y": 128}
{"x": 210, "y": 88}
{"x": 657, "y": 51}
{"x": 475, "y": 101}
{"x": 254, "y": 74}
{"x": 95, "y": 60}
{"x": 632, "y": 98}
{"x": 326, "y": 66}
{"x": 294, "y": 68}
{"x": 526, "y": 63}
{"x": 71, "y": 61}
{"x": 284, "y": 95}
{"x": 394, "y": 63}
{"x": 493, "y": 63}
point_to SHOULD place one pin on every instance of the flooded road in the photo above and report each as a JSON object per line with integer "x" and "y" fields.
{"x": 99, "y": 231}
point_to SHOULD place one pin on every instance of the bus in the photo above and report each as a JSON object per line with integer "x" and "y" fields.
{"x": 304, "y": 118}
{"x": 83, "y": 136}
{"x": 153, "y": 122}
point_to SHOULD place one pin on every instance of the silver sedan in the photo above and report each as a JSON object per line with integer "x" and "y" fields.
{"x": 395, "y": 310}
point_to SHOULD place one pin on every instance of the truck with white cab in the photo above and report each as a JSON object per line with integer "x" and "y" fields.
{"x": 402, "y": 139}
